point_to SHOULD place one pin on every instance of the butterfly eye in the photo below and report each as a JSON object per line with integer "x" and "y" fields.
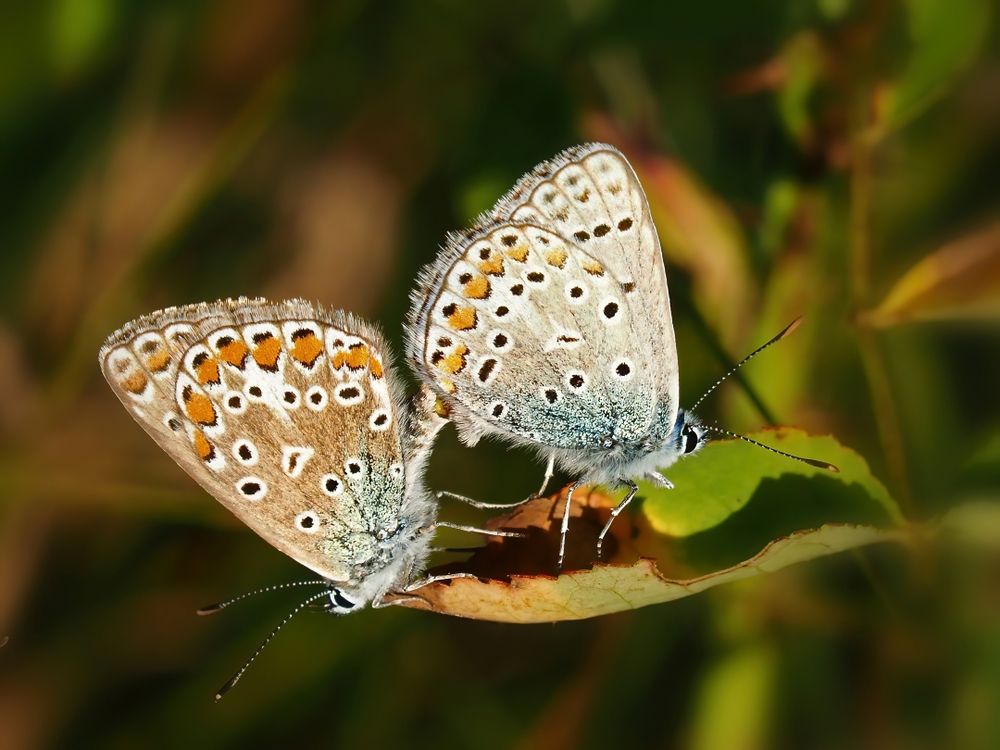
{"x": 690, "y": 439}
{"x": 339, "y": 601}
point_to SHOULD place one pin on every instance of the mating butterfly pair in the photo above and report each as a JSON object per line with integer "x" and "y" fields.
{"x": 546, "y": 324}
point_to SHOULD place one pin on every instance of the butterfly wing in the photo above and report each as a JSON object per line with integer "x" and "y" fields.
{"x": 284, "y": 412}
{"x": 550, "y": 321}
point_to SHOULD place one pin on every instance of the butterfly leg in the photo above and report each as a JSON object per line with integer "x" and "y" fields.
{"x": 658, "y": 479}
{"x": 477, "y": 530}
{"x": 549, "y": 470}
{"x": 379, "y": 602}
{"x": 633, "y": 488}
{"x": 564, "y": 527}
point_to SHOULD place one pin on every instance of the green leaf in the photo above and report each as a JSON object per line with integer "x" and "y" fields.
{"x": 721, "y": 479}
{"x": 946, "y": 38}
{"x": 738, "y": 511}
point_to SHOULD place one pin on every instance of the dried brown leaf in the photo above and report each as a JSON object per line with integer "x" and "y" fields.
{"x": 959, "y": 281}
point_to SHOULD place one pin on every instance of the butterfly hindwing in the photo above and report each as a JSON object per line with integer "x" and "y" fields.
{"x": 284, "y": 412}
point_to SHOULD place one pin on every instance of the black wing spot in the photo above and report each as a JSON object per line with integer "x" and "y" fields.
{"x": 485, "y": 369}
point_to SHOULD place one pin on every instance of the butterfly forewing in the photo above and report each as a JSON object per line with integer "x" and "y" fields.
{"x": 284, "y": 412}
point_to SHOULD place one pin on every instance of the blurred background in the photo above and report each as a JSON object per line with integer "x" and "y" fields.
{"x": 832, "y": 158}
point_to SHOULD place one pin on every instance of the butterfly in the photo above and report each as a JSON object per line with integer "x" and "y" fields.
{"x": 548, "y": 325}
{"x": 290, "y": 415}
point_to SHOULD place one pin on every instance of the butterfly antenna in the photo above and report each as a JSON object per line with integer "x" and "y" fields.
{"x": 788, "y": 329}
{"x": 811, "y": 461}
{"x": 231, "y": 683}
{"x": 212, "y": 608}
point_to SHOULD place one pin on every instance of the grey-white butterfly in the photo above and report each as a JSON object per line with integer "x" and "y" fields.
{"x": 548, "y": 325}
{"x": 290, "y": 415}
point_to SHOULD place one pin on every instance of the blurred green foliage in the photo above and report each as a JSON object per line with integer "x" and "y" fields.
{"x": 800, "y": 157}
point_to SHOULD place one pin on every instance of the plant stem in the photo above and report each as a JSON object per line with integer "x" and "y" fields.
{"x": 872, "y": 356}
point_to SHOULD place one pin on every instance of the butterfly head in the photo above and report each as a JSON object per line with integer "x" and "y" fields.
{"x": 689, "y": 434}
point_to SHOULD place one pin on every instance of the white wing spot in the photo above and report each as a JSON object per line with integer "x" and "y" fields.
{"x": 609, "y": 311}
{"x": 486, "y": 370}
{"x": 500, "y": 341}
{"x": 380, "y": 420}
{"x": 246, "y": 452}
{"x": 317, "y": 398}
{"x": 291, "y": 398}
{"x": 565, "y": 339}
{"x": 307, "y": 521}
{"x": 354, "y": 467}
{"x": 294, "y": 459}
{"x": 255, "y": 393}
{"x": 332, "y": 485}
{"x": 623, "y": 369}
{"x": 576, "y": 381}
{"x": 252, "y": 488}
{"x": 234, "y": 402}
{"x": 349, "y": 394}
{"x": 550, "y": 394}
{"x": 576, "y": 293}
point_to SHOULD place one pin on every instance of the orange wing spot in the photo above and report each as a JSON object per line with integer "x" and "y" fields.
{"x": 493, "y": 265}
{"x": 202, "y": 447}
{"x": 375, "y": 368}
{"x": 158, "y": 362}
{"x": 199, "y": 409}
{"x": 441, "y": 408}
{"x": 339, "y": 359}
{"x": 234, "y": 353}
{"x": 593, "y": 268}
{"x": 135, "y": 383}
{"x": 519, "y": 253}
{"x": 463, "y": 319}
{"x": 556, "y": 257}
{"x": 478, "y": 288}
{"x": 267, "y": 352}
{"x": 358, "y": 356}
{"x": 307, "y": 349}
{"x": 208, "y": 372}
{"x": 447, "y": 385}
{"x": 454, "y": 363}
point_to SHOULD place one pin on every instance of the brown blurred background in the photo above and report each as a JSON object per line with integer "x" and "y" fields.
{"x": 832, "y": 158}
